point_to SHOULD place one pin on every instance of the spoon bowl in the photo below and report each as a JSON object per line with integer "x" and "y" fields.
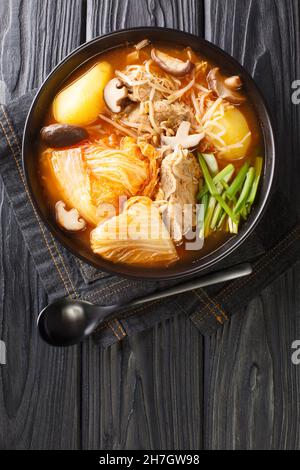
{"x": 67, "y": 322}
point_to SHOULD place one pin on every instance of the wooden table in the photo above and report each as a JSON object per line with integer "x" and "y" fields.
{"x": 159, "y": 390}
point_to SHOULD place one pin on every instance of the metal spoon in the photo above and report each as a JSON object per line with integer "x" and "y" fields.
{"x": 67, "y": 322}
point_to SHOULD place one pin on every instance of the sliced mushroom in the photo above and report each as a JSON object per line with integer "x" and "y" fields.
{"x": 63, "y": 135}
{"x": 182, "y": 138}
{"x": 234, "y": 83}
{"x": 69, "y": 220}
{"x": 170, "y": 64}
{"x": 225, "y": 88}
{"x": 115, "y": 94}
{"x": 140, "y": 45}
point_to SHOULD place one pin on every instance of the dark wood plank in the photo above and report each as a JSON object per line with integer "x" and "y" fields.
{"x": 39, "y": 394}
{"x": 252, "y": 388}
{"x": 145, "y": 393}
{"x": 111, "y": 15}
{"x": 252, "y": 391}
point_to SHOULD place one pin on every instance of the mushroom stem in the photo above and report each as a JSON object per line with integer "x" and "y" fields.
{"x": 115, "y": 93}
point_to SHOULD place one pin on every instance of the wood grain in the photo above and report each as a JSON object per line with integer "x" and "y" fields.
{"x": 252, "y": 388}
{"x": 39, "y": 395}
{"x": 147, "y": 392}
{"x": 110, "y": 15}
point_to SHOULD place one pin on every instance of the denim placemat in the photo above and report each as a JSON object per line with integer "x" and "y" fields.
{"x": 274, "y": 248}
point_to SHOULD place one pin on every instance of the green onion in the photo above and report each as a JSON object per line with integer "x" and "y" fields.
{"x": 205, "y": 201}
{"x": 216, "y": 216}
{"x": 233, "y": 227}
{"x": 208, "y": 179}
{"x": 208, "y": 216}
{"x": 212, "y": 163}
{"x": 201, "y": 222}
{"x": 213, "y": 189}
{"x": 238, "y": 182}
{"x": 222, "y": 219}
{"x": 224, "y": 175}
{"x": 245, "y": 212}
{"x": 245, "y": 191}
{"x": 258, "y": 172}
{"x": 225, "y": 185}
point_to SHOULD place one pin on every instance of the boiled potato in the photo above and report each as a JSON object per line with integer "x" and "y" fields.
{"x": 82, "y": 101}
{"x": 236, "y": 129}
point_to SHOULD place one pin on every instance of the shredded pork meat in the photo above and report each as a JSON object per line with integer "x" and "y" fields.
{"x": 179, "y": 185}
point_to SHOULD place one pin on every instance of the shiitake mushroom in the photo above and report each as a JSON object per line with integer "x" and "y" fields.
{"x": 171, "y": 65}
{"x": 63, "y": 135}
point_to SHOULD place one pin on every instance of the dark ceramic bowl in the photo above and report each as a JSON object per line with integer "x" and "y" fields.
{"x": 85, "y": 53}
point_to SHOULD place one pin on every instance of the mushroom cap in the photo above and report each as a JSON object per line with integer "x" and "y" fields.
{"x": 114, "y": 93}
{"x": 225, "y": 87}
{"x": 69, "y": 220}
{"x": 170, "y": 64}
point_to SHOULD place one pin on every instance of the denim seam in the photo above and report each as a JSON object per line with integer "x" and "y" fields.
{"x": 274, "y": 253}
{"x": 197, "y": 318}
{"x": 132, "y": 313}
{"x": 40, "y": 225}
{"x": 150, "y": 304}
{"x": 200, "y": 319}
{"x": 89, "y": 278}
{"x": 34, "y": 210}
{"x": 137, "y": 311}
{"x": 92, "y": 296}
{"x": 212, "y": 311}
{"x": 111, "y": 325}
{"x": 209, "y": 301}
{"x": 116, "y": 323}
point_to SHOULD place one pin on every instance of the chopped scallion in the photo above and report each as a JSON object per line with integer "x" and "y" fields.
{"x": 238, "y": 182}
{"x": 214, "y": 190}
{"x": 245, "y": 191}
{"x": 224, "y": 176}
{"x": 258, "y": 172}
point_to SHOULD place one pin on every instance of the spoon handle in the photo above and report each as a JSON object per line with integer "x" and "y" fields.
{"x": 235, "y": 272}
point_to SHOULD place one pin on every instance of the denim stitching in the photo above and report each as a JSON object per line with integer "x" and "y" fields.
{"x": 146, "y": 306}
{"x": 273, "y": 250}
{"x": 276, "y": 253}
{"x": 53, "y": 240}
{"x": 212, "y": 311}
{"x": 111, "y": 325}
{"x": 212, "y": 301}
{"x": 94, "y": 277}
{"x": 121, "y": 329}
{"x": 116, "y": 327}
{"x": 198, "y": 318}
{"x": 101, "y": 291}
{"x": 137, "y": 311}
{"x": 40, "y": 225}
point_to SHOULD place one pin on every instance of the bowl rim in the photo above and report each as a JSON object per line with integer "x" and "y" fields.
{"x": 188, "y": 270}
